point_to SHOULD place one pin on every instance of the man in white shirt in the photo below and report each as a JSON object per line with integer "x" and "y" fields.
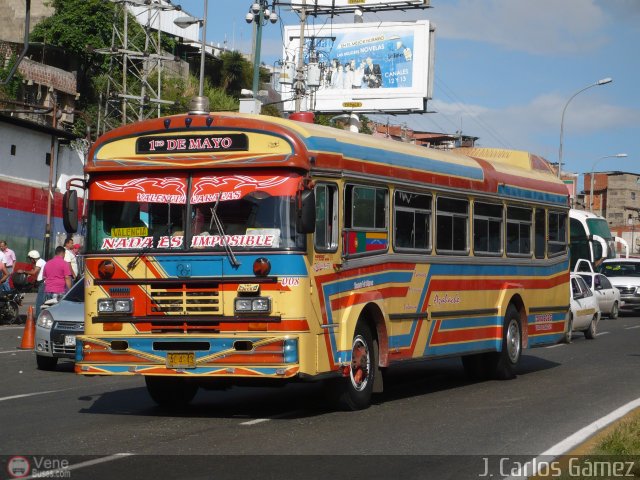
{"x": 70, "y": 256}
{"x": 37, "y": 268}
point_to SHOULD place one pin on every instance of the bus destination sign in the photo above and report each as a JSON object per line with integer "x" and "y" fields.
{"x": 192, "y": 143}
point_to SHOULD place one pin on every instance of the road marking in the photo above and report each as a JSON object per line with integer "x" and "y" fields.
{"x": 16, "y": 350}
{"x": 602, "y": 333}
{"x": 77, "y": 466}
{"x": 556, "y": 345}
{"x": 631, "y": 328}
{"x": 12, "y": 327}
{"x": 572, "y": 441}
{"x": 13, "y": 397}
{"x": 275, "y": 417}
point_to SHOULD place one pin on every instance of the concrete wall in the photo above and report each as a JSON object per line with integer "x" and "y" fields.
{"x": 13, "y": 16}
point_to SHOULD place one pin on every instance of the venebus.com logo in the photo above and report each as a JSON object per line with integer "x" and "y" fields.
{"x": 38, "y": 467}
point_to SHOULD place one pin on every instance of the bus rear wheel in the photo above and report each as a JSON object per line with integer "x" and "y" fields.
{"x": 501, "y": 365}
{"x": 171, "y": 392}
{"x": 354, "y": 391}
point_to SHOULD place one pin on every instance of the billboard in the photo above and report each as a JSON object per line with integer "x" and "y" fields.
{"x": 362, "y": 67}
{"x": 350, "y": 5}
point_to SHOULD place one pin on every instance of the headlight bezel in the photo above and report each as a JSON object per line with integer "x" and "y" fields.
{"x": 45, "y": 320}
{"x": 248, "y": 305}
{"x": 114, "y": 306}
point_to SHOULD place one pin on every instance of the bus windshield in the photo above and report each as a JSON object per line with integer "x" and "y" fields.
{"x": 598, "y": 226}
{"x": 245, "y": 213}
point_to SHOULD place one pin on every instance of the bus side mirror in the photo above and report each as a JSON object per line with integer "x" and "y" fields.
{"x": 307, "y": 212}
{"x": 70, "y": 211}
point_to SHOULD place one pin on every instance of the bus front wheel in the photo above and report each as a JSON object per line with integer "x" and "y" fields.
{"x": 171, "y": 392}
{"x": 502, "y": 364}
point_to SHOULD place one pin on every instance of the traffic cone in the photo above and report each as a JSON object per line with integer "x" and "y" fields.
{"x": 29, "y": 334}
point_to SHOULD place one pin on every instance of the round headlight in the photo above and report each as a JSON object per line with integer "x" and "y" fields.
{"x": 261, "y": 267}
{"x": 106, "y": 269}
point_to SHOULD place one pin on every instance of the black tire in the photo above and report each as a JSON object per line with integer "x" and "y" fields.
{"x": 354, "y": 392}
{"x": 568, "y": 335}
{"x": 501, "y": 365}
{"x": 46, "y": 363}
{"x": 591, "y": 332}
{"x": 613, "y": 314}
{"x": 13, "y": 313}
{"x": 171, "y": 392}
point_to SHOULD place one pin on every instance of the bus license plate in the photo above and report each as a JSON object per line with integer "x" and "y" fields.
{"x": 69, "y": 340}
{"x": 181, "y": 360}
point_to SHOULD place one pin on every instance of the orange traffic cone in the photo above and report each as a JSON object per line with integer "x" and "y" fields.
{"x": 29, "y": 335}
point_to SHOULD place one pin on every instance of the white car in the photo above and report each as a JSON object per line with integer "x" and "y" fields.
{"x": 624, "y": 274}
{"x": 57, "y": 327}
{"x": 607, "y": 296}
{"x": 584, "y": 313}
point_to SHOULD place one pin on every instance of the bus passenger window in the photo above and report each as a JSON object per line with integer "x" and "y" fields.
{"x": 487, "y": 229}
{"x": 519, "y": 231}
{"x": 452, "y": 226}
{"x": 412, "y": 221}
{"x": 557, "y": 233}
{"x": 540, "y": 228}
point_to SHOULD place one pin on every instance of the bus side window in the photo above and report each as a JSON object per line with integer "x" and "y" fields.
{"x": 540, "y": 233}
{"x": 326, "y": 232}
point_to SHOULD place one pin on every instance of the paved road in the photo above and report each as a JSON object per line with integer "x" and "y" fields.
{"x": 429, "y": 418}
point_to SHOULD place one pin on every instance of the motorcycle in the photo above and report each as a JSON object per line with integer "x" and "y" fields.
{"x": 10, "y": 303}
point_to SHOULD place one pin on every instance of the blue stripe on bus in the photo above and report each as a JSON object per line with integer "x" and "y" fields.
{"x": 523, "y": 193}
{"x": 217, "y": 265}
{"x": 462, "y": 348}
{"x": 391, "y": 157}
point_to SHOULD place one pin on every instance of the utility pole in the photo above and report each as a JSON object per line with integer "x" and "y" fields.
{"x": 50, "y": 191}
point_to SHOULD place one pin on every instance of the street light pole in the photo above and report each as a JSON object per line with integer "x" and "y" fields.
{"x": 602, "y": 81}
{"x": 593, "y": 167}
{"x": 259, "y": 13}
{"x": 199, "y": 104}
{"x": 202, "y": 52}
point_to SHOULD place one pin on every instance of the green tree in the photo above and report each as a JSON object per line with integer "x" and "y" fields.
{"x": 79, "y": 27}
{"x": 236, "y": 73}
{"x": 12, "y": 87}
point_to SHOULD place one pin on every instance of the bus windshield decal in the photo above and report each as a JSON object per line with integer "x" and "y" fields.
{"x": 206, "y": 189}
{"x": 145, "y": 189}
{"x": 130, "y": 232}
{"x": 126, "y": 243}
{"x": 201, "y": 241}
{"x": 250, "y": 240}
{"x": 192, "y": 143}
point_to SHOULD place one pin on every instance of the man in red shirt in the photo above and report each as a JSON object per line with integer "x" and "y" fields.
{"x": 57, "y": 275}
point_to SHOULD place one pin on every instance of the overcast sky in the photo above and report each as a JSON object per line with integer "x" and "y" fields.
{"x": 505, "y": 69}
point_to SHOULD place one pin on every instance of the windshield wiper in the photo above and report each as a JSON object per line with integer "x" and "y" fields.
{"x": 216, "y": 220}
{"x": 154, "y": 240}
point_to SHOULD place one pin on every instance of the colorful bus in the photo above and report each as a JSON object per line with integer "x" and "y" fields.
{"x": 229, "y": 249}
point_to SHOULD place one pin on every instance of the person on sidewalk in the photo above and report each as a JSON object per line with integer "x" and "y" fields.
{"x": 70, "y": 256}
{"x": 57, "y": 276}
{"x": 4, "y": 276}
{"x": 37, "y": 269}
{"x": 77, "y": 270}
{"x": 9, "y": 258}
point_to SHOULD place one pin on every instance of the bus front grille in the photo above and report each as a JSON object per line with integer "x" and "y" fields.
{"x": 184, "y": 301}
